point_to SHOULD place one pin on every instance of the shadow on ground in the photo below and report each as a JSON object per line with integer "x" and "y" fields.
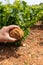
{"x": 8, "y": 50}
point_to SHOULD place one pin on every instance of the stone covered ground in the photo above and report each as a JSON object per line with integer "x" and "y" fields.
{"x": 29, "y": 53}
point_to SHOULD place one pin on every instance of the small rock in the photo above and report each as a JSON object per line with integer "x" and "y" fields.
{"x": 30, "y": 55}
{"x": 24, "y": 45}
{"x": 1, "y": 50}
{"x": 34, "y": 64}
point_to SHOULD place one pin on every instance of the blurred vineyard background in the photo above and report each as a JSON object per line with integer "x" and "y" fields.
{"x": 20, "y": 13}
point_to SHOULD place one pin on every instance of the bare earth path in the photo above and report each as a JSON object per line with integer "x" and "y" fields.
{"x": 31, "y": 53}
